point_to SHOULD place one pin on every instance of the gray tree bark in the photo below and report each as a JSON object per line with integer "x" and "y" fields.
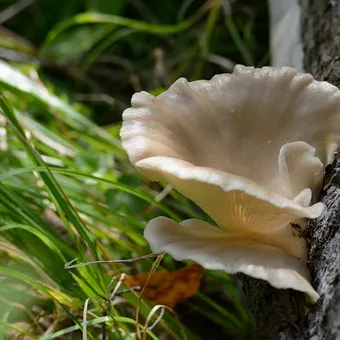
{"x": 285, "y": 314}
{"x": 321, "y": 39}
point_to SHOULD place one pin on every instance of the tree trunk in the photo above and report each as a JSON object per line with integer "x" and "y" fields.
{"x": 281, "y": 314}
{"x": 321, "y": 39}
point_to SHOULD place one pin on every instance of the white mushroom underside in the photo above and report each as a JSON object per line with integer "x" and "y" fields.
{"x": 214, "y": 249}
{"x": 236, "y": 204}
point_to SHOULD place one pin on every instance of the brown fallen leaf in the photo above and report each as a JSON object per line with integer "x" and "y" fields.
{"x": 168, "y": 287}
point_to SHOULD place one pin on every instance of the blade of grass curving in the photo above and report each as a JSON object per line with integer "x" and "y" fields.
{"x": 17, "y": 82}
{"x": 3, "y": 323}
{"x": 14, "y": 252}
{"x": 17, "y": 206}
{"x": 48, "y": 136}
{"x": 122, "y": 187}
{"x": 183, "y": 9}
{"x": 25, "y": 334}
{"x": 39, "y": 234}
{"x": 57, "y": 195}
{"x": 169, "y": 322}
{"x": 155, "y": 264}
{"x": 53, "y": 293}
{"x": 226, "y": 316}
{"x": 47, "y": 241}
{"x": 150, "y": 316}
{"x": 93, "y": 322}
{"x": 111, "y": 39}
{"x": 87, "y": 283}
{"x": 209, "y": 27}
{"x": 243, "y": 49}
{"x": 141, "y": 26}
{"x": 85, "y": 321}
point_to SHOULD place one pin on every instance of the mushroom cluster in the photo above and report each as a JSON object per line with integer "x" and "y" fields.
{"x": 250, "y": 149}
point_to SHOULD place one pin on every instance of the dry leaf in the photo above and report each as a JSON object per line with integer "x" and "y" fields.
{"x": 168, "y": 287}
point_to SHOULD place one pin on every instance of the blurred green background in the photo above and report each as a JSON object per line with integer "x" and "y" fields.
{"x": 102, "y": 51}
{"x": 68, "y": 69}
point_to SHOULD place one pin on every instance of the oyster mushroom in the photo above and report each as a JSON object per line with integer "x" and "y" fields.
{"x": 250, "y": 149}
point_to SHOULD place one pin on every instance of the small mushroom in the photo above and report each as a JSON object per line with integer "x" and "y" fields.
{"x": 250, "y": 149}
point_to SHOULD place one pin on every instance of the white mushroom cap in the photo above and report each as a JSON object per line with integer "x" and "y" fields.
{"x": 235, "y": 122}
{"x": 248, "y": 147}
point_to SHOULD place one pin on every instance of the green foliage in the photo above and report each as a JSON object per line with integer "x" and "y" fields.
{"x": 67, "y": 191}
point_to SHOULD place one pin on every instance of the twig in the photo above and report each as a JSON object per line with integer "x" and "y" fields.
{"x": 144, "y": 257}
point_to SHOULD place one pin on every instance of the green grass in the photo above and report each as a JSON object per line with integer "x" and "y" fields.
{"x": 67, "y": 191}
